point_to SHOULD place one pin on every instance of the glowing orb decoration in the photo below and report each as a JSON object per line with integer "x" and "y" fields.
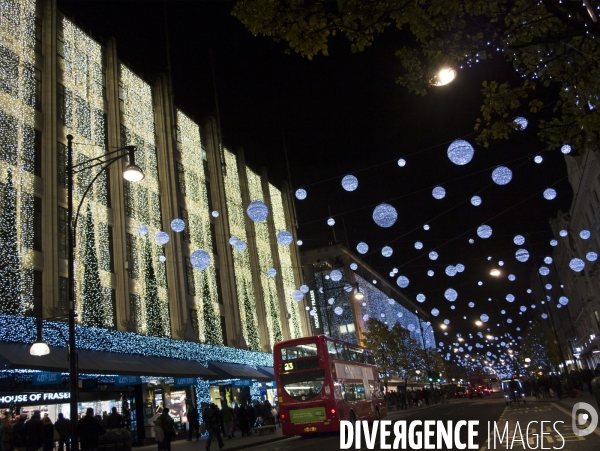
{"x": 349, "y": 183}
{"x": 421, "y": 297}
{"x": 438, "y": 192}
{"x": 460, "y": 152}
{"x": 553, "y": 243}
{"x": 504, "y": 313}
{"x": 577, "y": 264}
{"x": 272, "y": 272}
{"x": 402, "y": 281}
{"x": 585, "y": 234}
{"x": 484, "y": 318}
{"x": 338, "y": 310}
{"x": 365, "y": 317}
{"x": 501, "y": 175}
{"x": 162, "y": 258}
{"x": 335, "y": 275}
{"x": 510, "y": 298}
{"x": 521, "y": 123}
{"x": 563, "y": 300}
{"x": 312, "y": 312}
{"x": 523, "y": 308}
{"x": 435, "y": 312}
{"x": 162, "y": 238}
{"x": 400, "y": 315}
{"x": 385, "y": 215}
{"x": 544, "y": 271}
{"x": 298, "y": 295}
{"x": 299, "y": 242}
{"x": 411, "y": 327}
{"x": 460, "y": 267}
{"x": 353, "y": 266}
{"x": 433, "y": 255}
{"x": 362, "y": 247}
{"x": 331, "y": 222}
{"x": 566, "y": 149}
{"x": 446, "y": 322}
{"x": 177, "y": 225}
{"x": 304, "y": 289}
{"x": 563, "y": 233}
{"x": 548, "y": 260}
{"x": 549, "y": 194}
{"x": 347, "y": 288}
{"x": 395, "y": 270}
{"x": 387, "y": 251}
{"x": 300, "y": 194}
{"x": 471, "y": 240}
{"x": 451, "y": 294}
{"x": 426, "y": 227}
{"x": 430, "y": 273}
{"x": 257, "y": 211}
{"x": 538, "y": 159}
{"x": 548, "y": 286}
{"x": 240, "y": 245}
{"x": 215, "y": 214}
{"x": 522, "y": 255}
{"x": 143, "y": 230}
{"x": 511, "y": 277}
{"x": 200, "y": 259}
{"x": 544, "y": 315}
{"x": 484, "y": 231}
{"x": 391, "y": 301}
{"x": 519, "y": 240}
{"x": 480, "y": 283}
{"x": 330, "y": 301}
{"x": 285, "y": 238}
{"x": 451, "y": 270}
{"x": 476, "y": 201}
{"x": 500, "y": 263}
{"x": 401, "y": 162}
{"x": 233, "y": 240}
{"x": 591, "y": 256}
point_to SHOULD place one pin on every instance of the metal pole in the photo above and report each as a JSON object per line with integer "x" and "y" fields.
{"x": 73, "y": 369}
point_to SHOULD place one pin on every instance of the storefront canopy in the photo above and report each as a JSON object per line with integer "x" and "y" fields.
{"x": 268, "y": 370}
{"x": 17, "y": 356}
{"x": 237, "y": 371}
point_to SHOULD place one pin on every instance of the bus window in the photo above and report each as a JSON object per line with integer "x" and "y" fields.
{"x": 303, "y": 386}
{"x": 332, "y": 350}
{"x": 360, "y": 355}
{"x": 299, "y": 351}
{"x": 349, "y": 392}
{"x": 341, "y": 351}
{"x": 359, "y": 392}
{"x": 352, "y": 354}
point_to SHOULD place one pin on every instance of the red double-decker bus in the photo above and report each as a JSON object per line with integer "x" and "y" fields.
{"x": 321, "y": 381}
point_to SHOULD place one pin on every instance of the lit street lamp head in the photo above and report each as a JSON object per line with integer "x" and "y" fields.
{"x": 359, "y": 296}
{"x": 495, "y": 272}
{"x": 39, "y": 348}
{"x": 133, "y": 173}
{"x": 443, "y": 77}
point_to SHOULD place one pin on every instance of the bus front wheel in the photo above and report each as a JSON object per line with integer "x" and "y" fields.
{"x": 377, "y": 414}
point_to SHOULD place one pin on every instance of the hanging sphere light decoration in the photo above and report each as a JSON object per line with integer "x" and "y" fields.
{"x": 421, "y": 297}
{"x": 435, "y": 312}
{"x": 162, "y": 238}
{"x": 240, "y": 245}
{"x": 331, "y": 222}
{"x": 519, "y": 240}
{"x": 335, "y": 275}
{"x": 353, "y": 266}
{"x": 521, "y": 123}
{"x": 177, "y": 225}
{"x": 349, "y": 183}
{"x": 362, "y": 247}
{"x": 272, "y": 272}
{"x": 471, "y": 304}
{"x": 426, "y": 227}
{"x": 438, "y": 192}
{"x": 215, "y": 214}
{"x": 591, "y": 256}
{"x": 433, "y": 255}
{"x": 395, "y": 270}
{"x": 401, "y": 162}
{"x": 480, "y": 283}
{"x": 365, "y": 318}
{"x": 446, "y": 322}
{"x": 511, "y": 277}
{"x": 538, "y": 159}
{"x": 387, "y": 251}
{"x": 523, "y": 308}
{"x": 460, "y": 267}
{"x": 549, "y": 194}
{"x": 548, "y": 286}
{"x": 143, "y": 229}
{"x": 257, "y": 211}
{"x": 484, "y": 318}
{"x": 563, "y": 300}
{"x": 451, "y": 294}
{"x": 430, "y": 273}
{"x": 402, "y": 281}
{"x": 544, "y": 271}
{"x": 285, "y": 238}
{"x": 313, "y": 313}
{"x": 553, "y": 243}
{"x": 200, "y": 259}
{"x": 451, "y": 270}
{"x": 476, "y": 201}
{"x": 563, "y": 233}
{"x": 233, "y": 240}
{"x": 400, "y": 314}
{"x": 391, "y": 301}
{"x": 300, "y": 194}
{"x": 484, "y": 231}
{"x": 338, "y": 310}
{"x": 501, "y": 175}
{"x": 509, "y": 320}
{"x": 544, "y": 316}
{"x": 162, "y": 258}
{"x": 418, "y": 245}
{"x": 385, "y": 215}
{"x": 304, "y": 289}
{"x": 585, "y": 234}
{"x": 411, "y": 327}
{"x": 471, "y": 240}
{"x": 566, "y": 149}
{"x": 577, "y": 264}
{"x": 510, "y": 298}
{"x": 330, "y": 301}
{"x": 500, "y": 263}
{"x": 347, "y": 288}
{"x": 548, "y": 260}
{"x": 460, "y": 152}
{"x": 299, "y": 242}
{"x": 298, "y": 295}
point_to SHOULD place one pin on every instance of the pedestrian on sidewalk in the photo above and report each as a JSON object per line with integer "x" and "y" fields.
{"x": 193, "y": 424}
{"x": 168, "y": 427}
{"x": 212, "y": 419}
{"x": 63, "y": 427}
{"x": 227, "y": 413}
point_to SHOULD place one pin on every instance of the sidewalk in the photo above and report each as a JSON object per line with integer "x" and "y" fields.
{"x": 570, "y": 402}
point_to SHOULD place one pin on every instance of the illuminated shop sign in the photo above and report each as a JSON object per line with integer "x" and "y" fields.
{"x": 21, "y": 398}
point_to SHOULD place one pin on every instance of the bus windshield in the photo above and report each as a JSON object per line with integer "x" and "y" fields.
{"x": 299, "y": 351}
{"x": 303, "y": 386}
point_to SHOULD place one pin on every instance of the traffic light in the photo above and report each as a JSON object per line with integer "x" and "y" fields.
{"x": 430, "y": 376}
{"x": 439, "y": 379}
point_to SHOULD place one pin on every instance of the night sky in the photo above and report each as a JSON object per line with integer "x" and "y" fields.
{"x": 344, "y": 114}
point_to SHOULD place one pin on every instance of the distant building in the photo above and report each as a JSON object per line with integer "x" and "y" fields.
{"x": 581, "y": 229}
{"x": 335, "y": 276}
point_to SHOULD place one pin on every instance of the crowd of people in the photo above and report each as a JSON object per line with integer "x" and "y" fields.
{"x": 404, "y": 399}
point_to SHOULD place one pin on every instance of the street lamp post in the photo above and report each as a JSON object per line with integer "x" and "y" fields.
{"x": 131, "y": 173}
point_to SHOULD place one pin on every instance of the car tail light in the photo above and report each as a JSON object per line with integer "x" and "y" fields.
{"x": 332, "y": 411}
